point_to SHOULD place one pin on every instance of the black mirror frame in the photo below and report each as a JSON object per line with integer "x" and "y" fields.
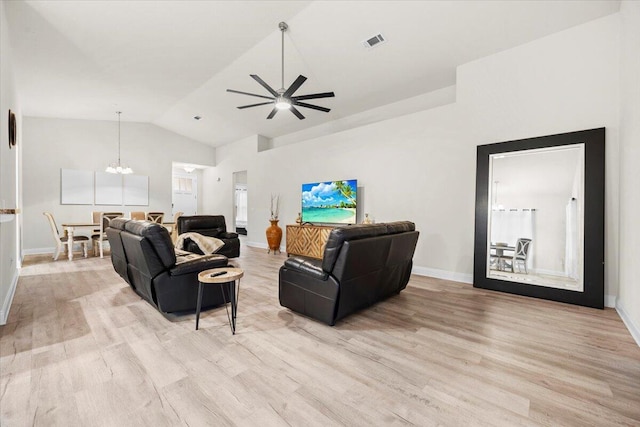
{"x": 593, "y": 273}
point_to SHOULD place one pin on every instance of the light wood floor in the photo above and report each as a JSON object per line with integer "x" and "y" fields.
{"x": 81, "y": 349}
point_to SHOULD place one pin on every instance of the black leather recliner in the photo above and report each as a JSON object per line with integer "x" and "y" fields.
{"x": 143, "y": 255}
{"x": 362, "y": 265}
{"x": 212, "y": 226}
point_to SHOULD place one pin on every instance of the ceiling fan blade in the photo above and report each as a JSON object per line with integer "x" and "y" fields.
{"x": 254, "y": 105}
{"x": 294, "y": 86}
{"x": 250, "y": 94}
{"x": 314, "y": 96}
{"x": 272, "y": 113}
{"x": 295, "y": 111}
{"x": 264, "y": 85}
{"x": 315, "y": 107}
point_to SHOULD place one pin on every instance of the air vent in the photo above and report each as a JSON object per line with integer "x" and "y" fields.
{"x": 374, "y": 41}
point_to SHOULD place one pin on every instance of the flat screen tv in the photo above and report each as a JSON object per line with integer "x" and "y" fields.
{"x": 330, "y": 202}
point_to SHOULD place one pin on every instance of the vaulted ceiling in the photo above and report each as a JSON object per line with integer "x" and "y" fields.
{"x": 165, "y": 62}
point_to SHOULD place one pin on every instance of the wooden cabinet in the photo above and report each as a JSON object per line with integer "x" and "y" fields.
{"x": 307, "y": 240}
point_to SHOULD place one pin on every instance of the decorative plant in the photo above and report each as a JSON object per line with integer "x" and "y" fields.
{"x": 275, "y": 206}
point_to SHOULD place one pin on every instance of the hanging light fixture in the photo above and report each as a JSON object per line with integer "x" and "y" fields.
{"x": 118, "y": 167}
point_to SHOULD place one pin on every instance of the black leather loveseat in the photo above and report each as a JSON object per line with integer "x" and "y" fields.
{"x": 212, "y": 226}
{"x": 362, "y": 265}
{"x": 143, "y": 255}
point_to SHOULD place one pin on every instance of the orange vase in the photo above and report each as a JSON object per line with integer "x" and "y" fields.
{"x": 274, "y": 236}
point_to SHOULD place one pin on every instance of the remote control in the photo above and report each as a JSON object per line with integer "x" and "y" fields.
{"x": 219, "y": 273}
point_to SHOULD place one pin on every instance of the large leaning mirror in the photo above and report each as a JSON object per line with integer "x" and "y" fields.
{"x": 540, "y": 217}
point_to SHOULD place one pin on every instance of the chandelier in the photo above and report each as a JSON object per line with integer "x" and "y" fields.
{"x": 118, "y": 167}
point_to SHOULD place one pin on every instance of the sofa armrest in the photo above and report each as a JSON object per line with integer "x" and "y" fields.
{"x": 308, "y": 266}
{"x": 199, "y": 264}
{"x": 227, "y": 235}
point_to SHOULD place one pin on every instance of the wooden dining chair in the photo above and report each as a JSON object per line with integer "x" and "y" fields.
{"x": 95, "y": 218}
{"x": 64, "y": 245}
{"x": 155, "y": 217}
{"x": 174, "y": 227}
{"x": 101, "y": 238}
{"x": 139, "y": 215}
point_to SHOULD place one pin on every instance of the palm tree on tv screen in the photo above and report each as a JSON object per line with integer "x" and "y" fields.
{"x": 345, "y": 190}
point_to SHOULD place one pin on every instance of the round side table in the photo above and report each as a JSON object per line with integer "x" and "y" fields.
{"x": 221, "y": 276}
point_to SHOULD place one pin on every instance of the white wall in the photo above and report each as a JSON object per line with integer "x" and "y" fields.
{"x": 9, "y": 160}
{"x": 421, "y": 166}
{"x": 629, "y": 293}
{"x": 52, "y": 144}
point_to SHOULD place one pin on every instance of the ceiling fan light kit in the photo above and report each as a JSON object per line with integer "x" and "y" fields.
{"x": 283, "y": 99}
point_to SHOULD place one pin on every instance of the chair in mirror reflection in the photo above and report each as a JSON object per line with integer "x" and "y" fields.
{"x": 100, "y": 239}
{"x": 517, "y": 259}
{"x": 65, "y": 245}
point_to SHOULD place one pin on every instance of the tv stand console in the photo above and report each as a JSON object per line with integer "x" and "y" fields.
{"x": 307, "y": 240}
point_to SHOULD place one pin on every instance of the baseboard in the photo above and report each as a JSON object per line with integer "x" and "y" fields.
{"x": 261, "y": 245}
{"x": 6, "y": 304}
{"x": 38, "y": 251}
{"x": 548, "y": 272}
{"x": 47, "y": 251}
{"x": 257, "y": 245}
{"x": 442, "y": 274}
{"x": 634, "y": 329}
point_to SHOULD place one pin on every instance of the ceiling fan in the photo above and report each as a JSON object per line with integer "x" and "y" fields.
{"x": 282, "y": 99}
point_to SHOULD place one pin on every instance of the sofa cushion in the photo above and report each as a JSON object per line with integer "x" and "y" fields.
{"x": 118, "y": 223}
{"x": 312, "y": 267}
{"x": 201, "y": 222}
{"x": 400, "y": 227}
{"x": 118, "y": 256}
{"x": 157, "y": 237}
{"x": 341, "y": 234}
{"x": 211, "y": 232}
{"x": 211, "y": 226}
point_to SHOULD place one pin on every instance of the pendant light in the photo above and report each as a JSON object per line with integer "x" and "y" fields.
{"x": 118, "y": 167}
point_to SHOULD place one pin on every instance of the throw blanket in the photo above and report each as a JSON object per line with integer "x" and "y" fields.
{"x": 208, "y": 245}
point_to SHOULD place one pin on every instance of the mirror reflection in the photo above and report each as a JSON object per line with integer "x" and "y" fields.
{"x": 535, "y": 219}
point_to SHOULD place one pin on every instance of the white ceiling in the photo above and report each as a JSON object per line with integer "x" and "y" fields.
{"x": 165, "y": 62}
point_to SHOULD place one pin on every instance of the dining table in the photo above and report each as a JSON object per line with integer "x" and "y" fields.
{"x": 70, "y": 228}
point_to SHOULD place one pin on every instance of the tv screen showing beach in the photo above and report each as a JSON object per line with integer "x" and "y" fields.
{"x": 331, "y": 202}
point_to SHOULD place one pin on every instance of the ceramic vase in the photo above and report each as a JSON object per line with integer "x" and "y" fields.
{"x": 274, "y": 236}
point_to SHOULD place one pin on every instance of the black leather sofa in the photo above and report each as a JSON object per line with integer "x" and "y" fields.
{"x": 362, "y": 265}
{"x": 212, "y": 226}
{"x": 143, "y": 255}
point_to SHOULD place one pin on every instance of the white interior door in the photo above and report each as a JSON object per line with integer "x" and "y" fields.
{"x": 185, "y": 194}
{"x": 240, "y": 202}
{"x": 241, "y": 205}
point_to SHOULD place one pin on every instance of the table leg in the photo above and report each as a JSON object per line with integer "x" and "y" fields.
{"x": 235, "y": 291}
{"x": 70, "y": 242}
{"x": 233, "y": 300}
{"x": 198, "y": 306}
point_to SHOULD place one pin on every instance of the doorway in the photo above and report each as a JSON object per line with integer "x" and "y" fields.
{"x": 184, "y": 194}
{"x": 240, "y": 202}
